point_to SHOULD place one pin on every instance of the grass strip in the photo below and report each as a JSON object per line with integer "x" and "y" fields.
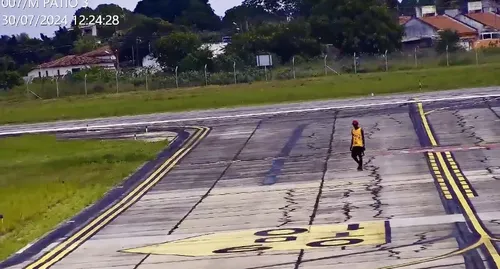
{"x": 349, "y": 85}
{"x": 44, "y": 181}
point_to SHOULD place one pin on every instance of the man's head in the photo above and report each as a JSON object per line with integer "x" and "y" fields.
{"x": 355, "y": 123}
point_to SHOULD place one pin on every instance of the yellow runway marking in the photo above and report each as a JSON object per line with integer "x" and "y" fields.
{"x": 276, "y": 239}
{"x": 73, "y": 242}
{"x": 466, "y": 207}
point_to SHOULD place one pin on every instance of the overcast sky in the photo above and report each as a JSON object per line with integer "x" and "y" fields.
{"x": 220, "y": 6}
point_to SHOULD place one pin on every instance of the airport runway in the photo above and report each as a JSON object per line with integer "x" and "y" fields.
{"x": 280, "y": 190}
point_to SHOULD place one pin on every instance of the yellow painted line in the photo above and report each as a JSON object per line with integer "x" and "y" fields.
{"x": 426, "y": 125}
{"x": 466, "y": 207}
{"x": 102, "y": 220}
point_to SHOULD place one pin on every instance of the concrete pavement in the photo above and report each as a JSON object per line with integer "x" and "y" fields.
{"x": 281, "y": 191}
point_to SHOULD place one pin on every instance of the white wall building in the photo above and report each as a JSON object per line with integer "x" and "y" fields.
{"x": 102, "y": 57}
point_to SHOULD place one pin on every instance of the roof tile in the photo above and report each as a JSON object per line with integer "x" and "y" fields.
{"x": 100, "y": 52}
{"x": 442, "y": 22}
{"x": 71, "y": 60}
{"x": 487, "y": 18}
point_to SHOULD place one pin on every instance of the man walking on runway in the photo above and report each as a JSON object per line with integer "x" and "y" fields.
{"x": 357, "y": 144}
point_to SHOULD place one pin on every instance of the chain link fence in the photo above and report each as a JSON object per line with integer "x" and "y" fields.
{"x": 144, "y": 80}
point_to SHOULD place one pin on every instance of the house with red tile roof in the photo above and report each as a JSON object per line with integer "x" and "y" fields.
{"x": 428, "y": 24}
{"x": 489, "y": 20}
{"x": 101, "y": 57}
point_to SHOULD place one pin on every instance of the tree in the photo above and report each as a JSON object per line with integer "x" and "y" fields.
{"x": 85, "y": 44}
{"x": 362, "y": 26}
{"x": 197, "y": 13}
{"x": 285, "y": 40}
{"x": 64, "y": 39}
{"x": 8, "y": 77}
{"x": 170, "y": 50}
{"x": 407, "y": 7}
{"x": 137, "y": 41}
{"x": 197, "y": 60}
{"x": 280, "y": 8}
{"x": 448, "y": 38}
{"x": 245, "y": 14}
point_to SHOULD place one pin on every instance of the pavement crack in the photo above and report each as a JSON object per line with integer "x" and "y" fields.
{"x": 347, "y": 208}
{"x": 288, "y": 208}
{"x": 422, "y": 237}
{"x": 372, "y": 131}
{"x": 394, "y": 253}
{"x": 396, "y": 120}
{"x": 374, "y": 187}
{"x": 470, "y": 130}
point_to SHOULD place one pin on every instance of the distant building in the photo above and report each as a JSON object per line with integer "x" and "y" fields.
{"x": 216, "y": 48}
{"x": 102, "y": 57}
{"x": 89, "y": 30}
{"x": 427, "y": 24}
{"x": 151, "y": 63}
{"x": 104, "y": 53}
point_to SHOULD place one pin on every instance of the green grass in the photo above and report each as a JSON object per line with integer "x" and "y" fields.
{"x": 44, "y": 182}
{"x": 333, "y": 86}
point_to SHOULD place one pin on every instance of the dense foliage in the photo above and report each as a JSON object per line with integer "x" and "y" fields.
{"x": 173, "y": 31}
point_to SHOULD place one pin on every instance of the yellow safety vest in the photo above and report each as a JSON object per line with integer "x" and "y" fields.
{"x": 357, "y": 138}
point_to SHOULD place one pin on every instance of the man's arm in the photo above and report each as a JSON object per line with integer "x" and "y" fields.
{"x": 363, "y": 136}
{"x": 352, "y": 140}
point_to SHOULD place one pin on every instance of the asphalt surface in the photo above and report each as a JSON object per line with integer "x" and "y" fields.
{"x": 280, "y": 190}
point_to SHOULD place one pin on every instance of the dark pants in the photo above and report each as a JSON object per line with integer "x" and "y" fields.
{"x": 357, "y": 155}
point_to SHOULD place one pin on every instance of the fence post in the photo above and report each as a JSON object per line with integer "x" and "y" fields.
{"x": 176, "y": 78}
{"x": 415, "y": 55}
{"x": 355, "y": 64}
{"x": 206, "y": 77}
{"x": 386, "y": 62}
{"x": 477, "y": 59}
{"x": 147, "y": 88}
{"x": 57, "y": 86}
{"x": 293, "y": 67}
{"x": 85, "y": 83}
{"x": 234, "y": 72}
{"x": 326, "y": 69}
{"x": 447, "y": 57}
{"x": 116, "y": 79}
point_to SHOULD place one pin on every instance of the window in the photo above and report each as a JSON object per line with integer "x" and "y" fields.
{"x": 58, "y": 72}
{"x": 47, "y": 73}
{"x": 74, "y": 70}
{"x": 39, "y": 74}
